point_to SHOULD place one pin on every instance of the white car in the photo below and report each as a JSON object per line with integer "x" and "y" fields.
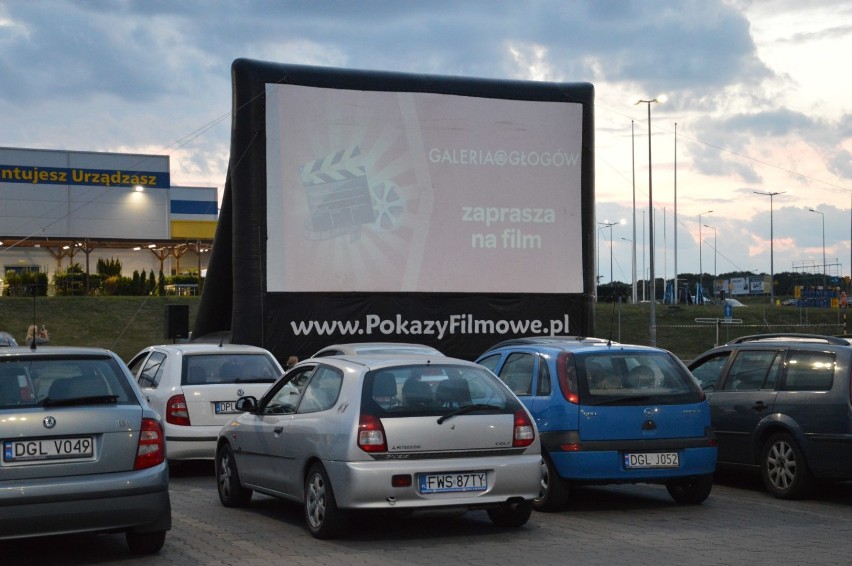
{"x": 194, "y": 388}
{"x": 393, "y": 433}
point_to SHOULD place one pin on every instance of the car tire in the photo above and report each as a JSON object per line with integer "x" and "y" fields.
{"x": 692, "y": 490}
{"x": 554, "y": 489}
{"x": 231, "y": 491}
{"x": 783, "y": 468}
{"x": 512, "y": 515}
{"x": 145, "y": 543}
{"x": 324, "y": 519}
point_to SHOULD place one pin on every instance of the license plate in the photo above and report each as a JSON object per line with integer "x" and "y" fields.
{"x": 48, "y": 449}
{"x": 453, "y": 481}
{"x": 634, "y": 460}
{"x": 225, "y": 407}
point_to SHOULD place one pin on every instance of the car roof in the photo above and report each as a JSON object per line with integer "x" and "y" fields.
{"x": 385, "y": 347}
{"x": 573, "y": 343}
{"x": 17, "y": 351}
{"x": 797, "y": 338}
{"x": 380, "y": 361}
{"x": 209, "y": 348}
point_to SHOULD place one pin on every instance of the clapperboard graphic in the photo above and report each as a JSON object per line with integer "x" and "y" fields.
{"x": 341, "y": 199}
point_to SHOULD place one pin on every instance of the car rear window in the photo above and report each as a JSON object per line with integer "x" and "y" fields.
{"x": 809, "y": 371}
{"x": 626, "y": 378}
{"x": 205, "y": 369}
{"x": 52, "y": 381}
{"x": 436, "y": 389}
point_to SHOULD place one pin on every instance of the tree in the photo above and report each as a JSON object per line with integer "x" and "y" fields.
{"x": 109, "y": 267}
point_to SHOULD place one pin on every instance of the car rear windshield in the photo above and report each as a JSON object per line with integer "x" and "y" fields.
{"x": 55, "y": 381}
{"x": 436, "y": 389}
{"x": 205, "y": 369}
{"x": 626, "y": 378}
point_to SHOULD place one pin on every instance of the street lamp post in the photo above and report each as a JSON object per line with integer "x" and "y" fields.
{"x": 633, "y": 263}
{"x": 608, "y": 224}
{"x": 771, "y": 245}
{"x": 715, "y": 273}
{"x": 674, "y": 282}
{"x": 824, "y": 278}
{"x": 633, "y": 167}
{"x": 644, "y": 268}
{"x": 653, "y": 319}
{"x": 700, "y": 263}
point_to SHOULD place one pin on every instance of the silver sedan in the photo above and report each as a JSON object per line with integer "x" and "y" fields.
{"x": 383, "y": 433}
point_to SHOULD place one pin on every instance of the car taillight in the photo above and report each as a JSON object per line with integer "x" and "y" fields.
{"x": 176, "y": 411}
{"x": 567, "y": 375}
{"x": 151, "y": 449}
{"x": 371, "y": 434}
{"x": 524, "y": 433}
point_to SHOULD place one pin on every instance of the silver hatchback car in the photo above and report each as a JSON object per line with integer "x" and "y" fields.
{"x": 392, "y": 433}
{"x": 82, "y": 451}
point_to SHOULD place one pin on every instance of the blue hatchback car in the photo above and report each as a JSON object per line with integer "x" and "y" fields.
{"x": 610, "y": 413}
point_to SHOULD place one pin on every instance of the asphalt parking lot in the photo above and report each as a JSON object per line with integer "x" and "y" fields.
{"x": 636, "y": 525}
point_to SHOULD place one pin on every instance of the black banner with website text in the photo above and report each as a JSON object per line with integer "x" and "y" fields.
{"x": 460, "y": 325}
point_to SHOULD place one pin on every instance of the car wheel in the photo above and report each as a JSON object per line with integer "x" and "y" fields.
{"x": 145, "y": 543}
{"x": 323, "y": 517}
{"x": 512, "y": 515}
{"x": 554, "y": 489}
{"x": 231, "y": 492}
{"x": 783, "y": 468}
{"x": 692, "y": 490}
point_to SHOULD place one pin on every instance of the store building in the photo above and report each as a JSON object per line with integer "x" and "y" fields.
{"x": 58, "y": 208}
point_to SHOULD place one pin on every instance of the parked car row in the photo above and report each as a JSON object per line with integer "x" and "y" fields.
{"x": 402, "y": 428}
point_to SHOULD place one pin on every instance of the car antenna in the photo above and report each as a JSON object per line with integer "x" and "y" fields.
{"x": 611, "y": 324}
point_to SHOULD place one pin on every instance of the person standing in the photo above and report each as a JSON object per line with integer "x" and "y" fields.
{"x": 37, "y": 336}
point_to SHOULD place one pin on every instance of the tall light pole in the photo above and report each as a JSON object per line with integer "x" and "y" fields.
{"x": 771, "y": 245}
{"x": 824, "y": 279}
{"x": 676, "y": 299}
{"x": 715, "y": 273}
{"x": 653, "y": 322}
{"x": 700, "y": 263}
{"x": 608, "y": 224}
{"x": 633, "y": 167}
{"x": 633, "y": 265}
{"x": 644, "y": 269}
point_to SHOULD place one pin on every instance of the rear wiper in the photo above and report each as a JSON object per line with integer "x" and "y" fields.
{"x": 91, "y": 400}
{"x": 469, "y": 409}
{"x": 255, "y": 380}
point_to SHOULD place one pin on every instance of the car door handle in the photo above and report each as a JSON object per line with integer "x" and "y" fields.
{"x": 760, "y": 406}
{"x": 278, "y": 430}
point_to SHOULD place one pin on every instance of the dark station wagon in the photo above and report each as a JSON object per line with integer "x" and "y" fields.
{"x": 781, "y": 404}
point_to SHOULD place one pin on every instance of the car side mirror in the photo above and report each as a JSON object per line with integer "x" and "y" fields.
{"x": 246, "y": 404}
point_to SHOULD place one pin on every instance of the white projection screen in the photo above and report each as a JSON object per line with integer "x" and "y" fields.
{"x": 373, "y": 191}
{"x": 365, "y": 206}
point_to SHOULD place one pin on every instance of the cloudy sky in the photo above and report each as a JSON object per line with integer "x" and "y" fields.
{"x": 757, "y": 100}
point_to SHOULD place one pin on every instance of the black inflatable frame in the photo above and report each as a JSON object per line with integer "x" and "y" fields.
{"x": 234, "y": 301}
